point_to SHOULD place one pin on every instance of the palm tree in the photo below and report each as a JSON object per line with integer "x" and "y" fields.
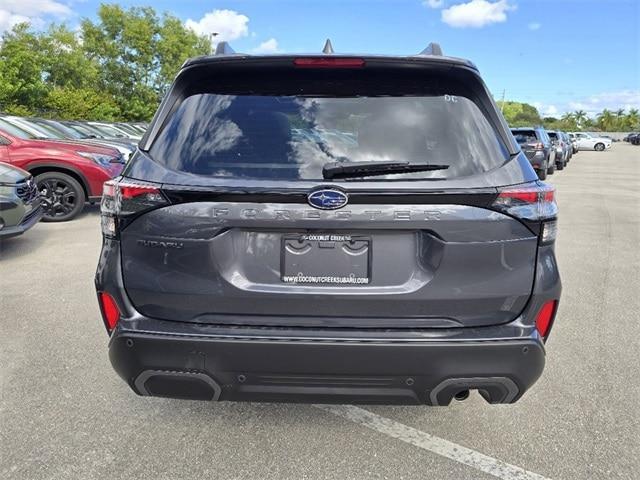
{"x": 620, "y": 120}
{"x": 568, "y": 121}
{"x": 580, "y": 117}
{"x": 633, "y": 119}
{"x": 606, "y": 120}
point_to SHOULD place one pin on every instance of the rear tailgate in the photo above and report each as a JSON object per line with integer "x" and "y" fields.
{"x": 241, "y": 243}
{"x": 428, "y": 265}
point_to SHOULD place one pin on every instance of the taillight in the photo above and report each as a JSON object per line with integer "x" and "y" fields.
{"x": 328, "y": 62}
{"x": 123, "y": 198}
{"x": 532, "y": 202}
{"x": 545, "y": 317}
{"x": 109, "y": 309}
{"x": 538, "y": 146}
{"x": 535, "y": 202}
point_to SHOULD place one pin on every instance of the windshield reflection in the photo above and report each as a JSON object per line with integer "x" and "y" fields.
{"x": 293, "y": 137}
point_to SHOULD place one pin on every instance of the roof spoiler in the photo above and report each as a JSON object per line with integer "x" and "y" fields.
{"x": 223, "y": 49}
{"x": 434, "y": 49}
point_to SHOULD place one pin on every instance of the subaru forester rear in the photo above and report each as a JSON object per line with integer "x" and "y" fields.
{"x": 328, "y": 228}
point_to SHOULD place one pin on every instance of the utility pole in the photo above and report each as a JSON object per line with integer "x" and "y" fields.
{"x": 502, "y": 101}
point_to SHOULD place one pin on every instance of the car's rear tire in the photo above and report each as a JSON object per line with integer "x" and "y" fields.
{"x": 62, "y": 196}
{"x": 598, "y": 147}
{"x": 560, "y": 166}
{"x": 542, "y": 173}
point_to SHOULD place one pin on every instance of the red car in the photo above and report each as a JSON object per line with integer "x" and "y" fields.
{"x": 67, "y": 174}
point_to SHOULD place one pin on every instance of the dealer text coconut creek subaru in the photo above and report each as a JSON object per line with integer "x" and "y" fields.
{"x": 328, "y": 228}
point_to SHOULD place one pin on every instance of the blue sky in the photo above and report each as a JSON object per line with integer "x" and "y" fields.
{"x": 560, "y": 55}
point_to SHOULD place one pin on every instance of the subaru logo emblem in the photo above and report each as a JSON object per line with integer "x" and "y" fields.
{"x": 327, "y": 199}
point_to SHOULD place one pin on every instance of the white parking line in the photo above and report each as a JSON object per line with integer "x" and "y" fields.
{"x": 434, "y": 444}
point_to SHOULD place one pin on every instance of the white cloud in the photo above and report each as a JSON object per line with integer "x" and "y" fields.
{"x": 433, "y": 3}
{"x": 593, "y": 104}
{"x": 268, "y": 46}
{"x": 546, "y": 109}
{"x": 476, "y": 13}
{"x": 8, "y": 20}
{"x": 612, "y": 100}
{"x": 228, "y": 24}
{"x": 533, "y": 26}
{"x": 13, "y": 12}
{"x": 29, "y": 7}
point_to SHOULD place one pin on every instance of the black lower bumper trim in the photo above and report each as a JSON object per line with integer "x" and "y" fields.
{"x": 236, "y": 369}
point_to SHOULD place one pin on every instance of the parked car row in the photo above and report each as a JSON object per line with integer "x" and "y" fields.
{"x": 546, "y": 150}
{"x": 591, "y": 141}
{"x": 633, "y": 138}
{"x": 551, "y": 150}
{"x": 64, "y": 162}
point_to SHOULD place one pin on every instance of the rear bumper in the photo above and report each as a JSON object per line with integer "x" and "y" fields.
{"x": 160, "y": 358}
{"x": 312, "y": 364}
{"x": 537, "y": 160}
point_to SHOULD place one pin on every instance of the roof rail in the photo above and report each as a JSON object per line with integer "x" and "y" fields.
{"x": 432, "y": 49}
{"x": 223, "y": 48}
{"x": 328, "y": 48}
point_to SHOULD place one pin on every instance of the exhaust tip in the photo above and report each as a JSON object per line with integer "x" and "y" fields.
{"x": 492, "y": 389}
{"x": 177, "y": 384}
{"x": 461, "y": 395}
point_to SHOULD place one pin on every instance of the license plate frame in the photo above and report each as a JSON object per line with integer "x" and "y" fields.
{"x": 325, "y": 259}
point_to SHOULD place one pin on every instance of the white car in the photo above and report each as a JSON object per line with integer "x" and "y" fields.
{"x": 587, "y": 141}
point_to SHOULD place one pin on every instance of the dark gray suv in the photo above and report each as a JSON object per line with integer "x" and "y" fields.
{"x": 20, "y": 207}
{"x": 328, "y": 228}
{"x": 539, "y": 149}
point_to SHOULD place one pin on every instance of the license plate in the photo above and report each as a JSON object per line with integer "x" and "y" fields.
{"x": 326, "y": 259}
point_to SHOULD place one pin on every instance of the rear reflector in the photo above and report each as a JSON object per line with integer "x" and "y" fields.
{"x": 110, "y": 311}
{"x": 545, "y": 317}
{"x": 549, "y": 232}
{"x": 330, "y": 62}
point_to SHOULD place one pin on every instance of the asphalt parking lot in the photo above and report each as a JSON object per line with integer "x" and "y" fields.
{"x": 65, "y": 414}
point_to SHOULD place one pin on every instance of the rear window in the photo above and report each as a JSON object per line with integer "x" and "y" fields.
{"x": 292, "y": 137}
{"x": 552, "y": 134}
{"x": 15, "y": 131}
{"x": 108, "y": 130}
{"x": 525, "y": 136}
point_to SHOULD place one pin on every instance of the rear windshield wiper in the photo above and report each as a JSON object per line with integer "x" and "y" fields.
{"x": 370, "y": 169}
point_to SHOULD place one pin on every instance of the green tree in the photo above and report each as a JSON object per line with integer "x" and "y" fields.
{"x": 568, "y": 121}
{"x": 606, "y": 121}
{"x": 632, "y": 120}
{"x": 22, "y": 86}
{"x": 138, "y": 53}
{"x": 581, "y": 118}
{"x": 519, "y": 114}
{"x": 117, "y": 67}
{"x": 84, "y": 103}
